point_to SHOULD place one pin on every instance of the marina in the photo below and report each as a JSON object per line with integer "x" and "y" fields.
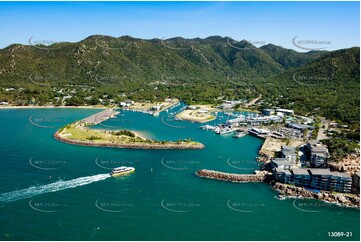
{"x": 156, "y": 170}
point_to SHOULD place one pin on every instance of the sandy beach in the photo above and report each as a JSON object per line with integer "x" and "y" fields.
{"x": 193, "y": 115}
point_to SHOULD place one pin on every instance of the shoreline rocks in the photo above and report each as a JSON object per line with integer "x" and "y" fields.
{"x": 346, "y": 199}
{"x": 284, "y": 190}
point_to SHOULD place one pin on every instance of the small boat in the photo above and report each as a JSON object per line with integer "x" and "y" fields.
{"x": 226, "y": 131}
{"x": 207, "y": 127}
{"x": 123, "y": 170}
{"x": 217, "y": 130}
{"x": 239, "y": 134}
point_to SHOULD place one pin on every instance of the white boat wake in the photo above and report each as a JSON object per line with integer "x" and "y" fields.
{"x": 52, "y": 187}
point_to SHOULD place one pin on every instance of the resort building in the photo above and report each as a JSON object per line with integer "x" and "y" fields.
{"x": 301, "y": 177}
{"x": 324, "y": 179}
{"x": 282, "y": 175}
{"x": 282, "y": 163}
{"x": 314, "y": 178}
{"x": 289, "y": 153}
{"x": 318, "y": 153}
{"x": 356, "y": 183}
{"x": 285, "y": 111}
{"x": 262, "y": 133}
{"x": 155, "y": 108}
{"x": 268, "y": 112}
{"x": 300, "y": 127}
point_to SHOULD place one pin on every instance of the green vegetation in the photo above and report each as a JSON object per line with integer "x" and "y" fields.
{"x": 124, "y": 132}
{"x": 314, "y": 133}
{"x": 94, "y": 138}
{"x": 77, "y": 132}
{"x": 106, "y": 70}
{"x": 340, "y": 147}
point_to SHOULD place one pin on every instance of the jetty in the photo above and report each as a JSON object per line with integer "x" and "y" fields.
{"x": 100, "y": 117}
{"x": 232, "y": 177}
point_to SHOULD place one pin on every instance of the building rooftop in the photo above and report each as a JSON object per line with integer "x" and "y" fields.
{"x": 279, "y": 159}
{"x": 300, "y": 171}
{"x": 285, "y": 147}
{"x": 320, "y": 172}
{"x": 300, "y": 126}
{"x": 282, "y": 170}
{"x": 280, "y": 163}
{"x": 313, "y": 142}
{"x": 342, "y": 174}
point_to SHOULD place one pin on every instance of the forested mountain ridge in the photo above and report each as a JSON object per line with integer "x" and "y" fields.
{"x": 196, "y": 70}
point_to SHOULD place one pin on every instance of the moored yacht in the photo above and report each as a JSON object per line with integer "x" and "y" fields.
{"x": 226, "y": 131}
{"x": 239, "y": 134}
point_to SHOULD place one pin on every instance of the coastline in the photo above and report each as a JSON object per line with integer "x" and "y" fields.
{"x": 59, "y": 107}
{"x": 344, "y": 199}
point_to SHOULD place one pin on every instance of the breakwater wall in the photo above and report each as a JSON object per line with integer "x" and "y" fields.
{"x": 217, "y": 175}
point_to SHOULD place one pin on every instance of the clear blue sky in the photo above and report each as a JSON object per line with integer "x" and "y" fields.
{"x": 267, "y": 22}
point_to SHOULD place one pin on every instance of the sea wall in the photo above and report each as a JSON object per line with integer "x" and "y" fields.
{"x": 345, "y": 199}
{"x": 173, "y": 146}
{"x": 261, "y": 177}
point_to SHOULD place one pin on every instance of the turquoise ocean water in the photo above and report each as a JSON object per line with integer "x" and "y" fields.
{"x": 55, "y": 191}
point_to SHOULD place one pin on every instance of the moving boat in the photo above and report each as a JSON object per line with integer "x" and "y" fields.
{"x": 123, "y": 170}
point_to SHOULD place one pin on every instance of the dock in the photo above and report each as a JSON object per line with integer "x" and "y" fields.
{"x": 99, "y": 117}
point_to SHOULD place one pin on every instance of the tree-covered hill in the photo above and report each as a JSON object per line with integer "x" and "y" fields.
{"x": 196, "y": 70}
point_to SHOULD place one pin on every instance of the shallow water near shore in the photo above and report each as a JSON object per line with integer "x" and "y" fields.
{"x": 55, "y": 191}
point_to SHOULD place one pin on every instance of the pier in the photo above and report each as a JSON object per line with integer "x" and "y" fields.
{"x": 99, "y": 117}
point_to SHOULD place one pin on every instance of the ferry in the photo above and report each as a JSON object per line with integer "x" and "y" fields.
{"x": 123, "y": 170}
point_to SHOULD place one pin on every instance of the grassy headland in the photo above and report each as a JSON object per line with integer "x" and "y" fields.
{"x": 77, "y": 133}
